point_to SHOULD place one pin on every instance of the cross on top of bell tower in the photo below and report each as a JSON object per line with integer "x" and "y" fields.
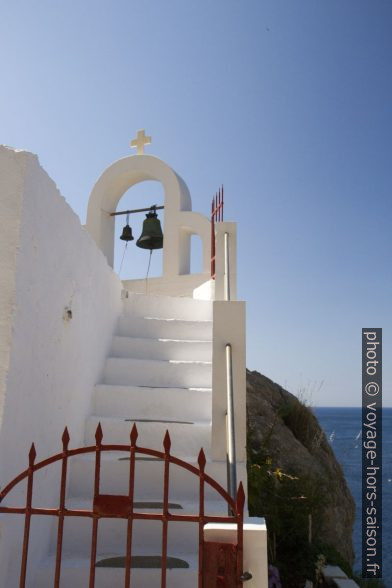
{"x": 140, "y": 141}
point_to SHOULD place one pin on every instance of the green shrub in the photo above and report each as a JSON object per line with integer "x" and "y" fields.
{"x": 299, "y": 418}
{"x": 288, "y": 503}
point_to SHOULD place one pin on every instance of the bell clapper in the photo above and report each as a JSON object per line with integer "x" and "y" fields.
{"x": 122, "y": 259}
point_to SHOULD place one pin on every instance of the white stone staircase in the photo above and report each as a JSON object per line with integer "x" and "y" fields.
{"x": 158, "y": 375}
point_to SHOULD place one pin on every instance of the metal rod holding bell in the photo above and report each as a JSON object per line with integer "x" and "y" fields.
{"x": 136, "y": 210}
{"x": 152, "y": 236}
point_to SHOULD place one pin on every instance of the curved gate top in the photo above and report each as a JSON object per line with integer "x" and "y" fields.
{"x": 227, "y": 560}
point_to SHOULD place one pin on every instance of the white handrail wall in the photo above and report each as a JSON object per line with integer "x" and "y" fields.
{"x": 229, "y": 398}
{"x": 225, "y": 232}
{"x": 226, "y": 242}
{"x": 228, "y": 327}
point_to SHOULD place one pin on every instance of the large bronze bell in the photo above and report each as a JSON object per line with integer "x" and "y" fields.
{"x": 127, "y": 234}
{"x": 152, "y": 236}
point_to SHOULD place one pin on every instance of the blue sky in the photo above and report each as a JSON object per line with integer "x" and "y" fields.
{"x": 286, "y": 103}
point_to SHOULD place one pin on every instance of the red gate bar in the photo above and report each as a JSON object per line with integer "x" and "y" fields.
{"x": 63, "y": 484}
{"x": 128, "y": 560}
{"x": 97, "y": 473}
{"x": 166, "y": 445}
{"x": 115, "y": 506}
{"x": 202, "y": 462}
{"x": 26, "y": 533}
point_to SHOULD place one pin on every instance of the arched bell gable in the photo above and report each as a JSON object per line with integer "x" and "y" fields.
{"x": 180, "y": 221}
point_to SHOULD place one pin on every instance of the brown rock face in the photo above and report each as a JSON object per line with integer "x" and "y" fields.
{"x": 288, "y": 432}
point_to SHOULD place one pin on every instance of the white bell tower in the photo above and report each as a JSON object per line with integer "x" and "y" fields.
{"x": 180, "y": 221}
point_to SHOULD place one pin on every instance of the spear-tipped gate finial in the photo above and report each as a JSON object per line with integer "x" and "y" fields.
{"x": 201, "y": 460}
{"x": 240, "y": 498}
{"x": 134, "y": 434}
{"x": 65, "y": 439}
{"x": 32, "y": 454}
{"x": 167, "y": 442}
{"x": 98, "y": 434}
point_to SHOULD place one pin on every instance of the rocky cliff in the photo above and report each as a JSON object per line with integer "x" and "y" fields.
{"x": 287, "y": 435}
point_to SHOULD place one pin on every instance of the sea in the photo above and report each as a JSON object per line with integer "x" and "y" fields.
{"x": 343, "y": 427}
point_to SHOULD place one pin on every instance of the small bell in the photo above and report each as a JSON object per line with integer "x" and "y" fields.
{"x": 152, "y": 236}
{"x": 127, "y": 234}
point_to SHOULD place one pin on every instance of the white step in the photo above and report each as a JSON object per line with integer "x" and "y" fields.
{"x": 167, "y": 328}
{"x": 112, "y": 532}
{"x": 168, "y": 307}
{"x": 143, "y": 348}
{"x": 184, "y": 485}
{"x": 154, "y": 505}
{"x": 75, "y": 574}
{"x": 112, "y": 536}
{"x": 187, "y": 437}
{"x": 169, "y": 403}
{"x": 157, "y": 373}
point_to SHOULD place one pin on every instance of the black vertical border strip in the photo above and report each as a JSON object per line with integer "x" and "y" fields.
{"x": 371, "y": 494}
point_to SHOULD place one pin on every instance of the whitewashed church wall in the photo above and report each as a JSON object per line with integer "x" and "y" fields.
{"x": 11, "y": 186}
{"x": 59, "y": 306}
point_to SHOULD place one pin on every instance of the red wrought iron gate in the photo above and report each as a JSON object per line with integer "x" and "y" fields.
{"x": 218, "y": 564}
